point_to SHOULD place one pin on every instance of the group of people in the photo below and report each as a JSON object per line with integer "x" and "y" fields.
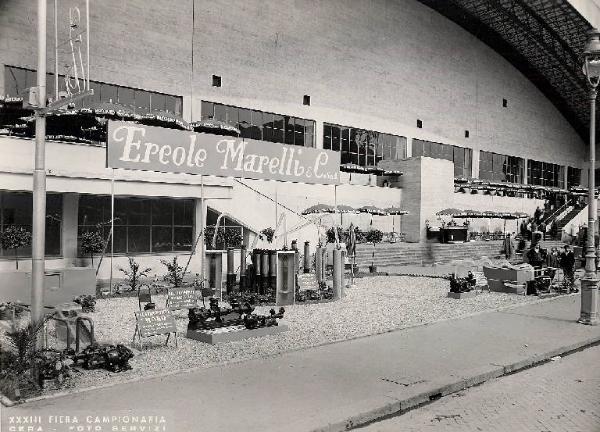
{"x": 564, "y": 260}
{"x": 536, "y": 223}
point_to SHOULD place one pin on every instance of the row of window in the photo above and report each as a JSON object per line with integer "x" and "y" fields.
{"x": 18, "y": 80}
{"x": 141, "y": 224}
{"x": 262, "y": 125}
{"x": 462, "y": 157}
{"x": 362, "y": 147}
{"x": 357, "y": 146}
{"x": 502, "y": 168}
{"x": 16, "y": 208}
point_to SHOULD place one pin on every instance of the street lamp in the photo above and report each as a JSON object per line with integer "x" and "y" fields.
{"x": 589, "y": 283}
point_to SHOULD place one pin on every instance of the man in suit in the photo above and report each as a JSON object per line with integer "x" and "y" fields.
{"x": 567, "y": 263}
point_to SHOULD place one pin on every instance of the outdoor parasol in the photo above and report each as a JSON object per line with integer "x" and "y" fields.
{"x": 395, "y": 211}
{"x": 372, "y": 210}
{"x": 449, "y": 212}
{"x": 318, "y": 208}
{"x": 216, "y": 127}
{"x": 165, "y": 119}
{"x": 341, "y": 209}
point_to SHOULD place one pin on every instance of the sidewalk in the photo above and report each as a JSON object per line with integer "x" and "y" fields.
{"x": 349, "y": 383}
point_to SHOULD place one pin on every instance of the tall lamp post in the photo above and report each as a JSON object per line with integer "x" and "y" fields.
{"x": 589, "y": 283}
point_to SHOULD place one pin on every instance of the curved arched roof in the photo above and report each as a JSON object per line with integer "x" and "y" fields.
{"x": 541, "y": 38}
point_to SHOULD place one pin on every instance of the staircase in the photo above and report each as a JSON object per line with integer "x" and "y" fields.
{"x": 568, "y": 218}
{"x": 400, "y": 254}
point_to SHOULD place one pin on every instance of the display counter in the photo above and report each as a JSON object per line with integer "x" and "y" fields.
{"x": 454, "y": 234}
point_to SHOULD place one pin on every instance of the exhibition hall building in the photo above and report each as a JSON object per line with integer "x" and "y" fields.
{"x": 421, "y": 106}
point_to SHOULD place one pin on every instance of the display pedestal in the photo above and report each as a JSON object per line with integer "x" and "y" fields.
{"x": 233, "y": 333}
{"x": 462, "y": 295}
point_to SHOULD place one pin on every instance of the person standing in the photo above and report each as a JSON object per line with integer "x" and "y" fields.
{"x": 543, "y": 230}
{"x": 567, "y": 263}
{"x": 509, "y": 247}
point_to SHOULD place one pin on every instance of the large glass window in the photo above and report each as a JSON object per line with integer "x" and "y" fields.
{"x": 501, "y": 168}
{"x": 461, "y": 156}
{"x": 573, "y": 177}
{"x": 17, "y": 80}
{"x": 142, "y": 225}
{"x": 16, "y": 209}
{"x": 261, "y": 125}
{"x": 545, "y": 174}
{"x": 362, "y": 147}
{"x": 228, "y": 227}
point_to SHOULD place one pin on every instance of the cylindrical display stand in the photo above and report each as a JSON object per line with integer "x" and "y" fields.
{"x": 338, "y": 274}
{"x": 324, "y": 264}
{"x": 214, "y": 263}
{"x": 230, "y": 271}
{"x": 243, "y": 268}
{"x": 256, "y": 260}
{"x": 286, "y": 278}
{"x": 296, "y": 256}
{"x": 306, "y": 257}
{"x": 319, "y": 263}
{"x": 264, "y": 271}
{"x": 272, "y": 269}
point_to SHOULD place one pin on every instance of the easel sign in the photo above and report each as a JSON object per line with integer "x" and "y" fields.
{"x": 181, "y": 298}
{"x": 154, "y": 322}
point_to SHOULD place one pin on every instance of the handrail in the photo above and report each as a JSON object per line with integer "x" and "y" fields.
{"x": 557, "y": 212}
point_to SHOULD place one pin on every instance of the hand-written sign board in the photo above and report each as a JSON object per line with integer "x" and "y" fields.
{"x": 155, "y": 322}
{"x": 181, "y": 298}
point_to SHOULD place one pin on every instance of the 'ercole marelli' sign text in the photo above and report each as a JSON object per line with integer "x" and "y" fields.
{"x": 134, "y": 146}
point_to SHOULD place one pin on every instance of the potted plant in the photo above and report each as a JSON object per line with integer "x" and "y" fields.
{"x": 14, "y": 237}
{"x": 91, "y": 243}
{"x": 87, "y": 302}
{"x": 373, "y": 236}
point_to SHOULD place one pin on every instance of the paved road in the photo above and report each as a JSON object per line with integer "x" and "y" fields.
{"x": 559, "y": 396}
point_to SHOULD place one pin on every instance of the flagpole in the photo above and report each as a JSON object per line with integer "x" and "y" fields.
{"x": 112, "y": 227}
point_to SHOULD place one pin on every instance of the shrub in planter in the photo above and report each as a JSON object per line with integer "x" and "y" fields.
{"x": 134, "y": 274}
{"x": 174, "y": 274}
{"x": 87, "y": 302}
{"x": 14, "y": 237}
{"x": 91, "y": 243}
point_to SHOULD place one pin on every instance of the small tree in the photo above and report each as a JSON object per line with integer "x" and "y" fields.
{"x": 374, "y": 236}
{"x": 133, "y": 274}
{"x": 91, "y": 243}
{"x": 15, "y": 237}
{"x": 174, "y": 274}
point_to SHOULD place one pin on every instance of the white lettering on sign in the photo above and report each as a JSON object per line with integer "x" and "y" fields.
{"x": 134, "y": 146}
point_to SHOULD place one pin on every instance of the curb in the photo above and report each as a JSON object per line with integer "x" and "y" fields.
{"x": 402, "y": 406}
{"x": 5, "y": 401}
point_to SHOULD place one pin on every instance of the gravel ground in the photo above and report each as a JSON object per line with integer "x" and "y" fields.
{"x": 373, "y": 306}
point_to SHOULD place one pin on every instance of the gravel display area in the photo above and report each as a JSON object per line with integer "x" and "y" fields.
{"x": 375, "y": 305}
